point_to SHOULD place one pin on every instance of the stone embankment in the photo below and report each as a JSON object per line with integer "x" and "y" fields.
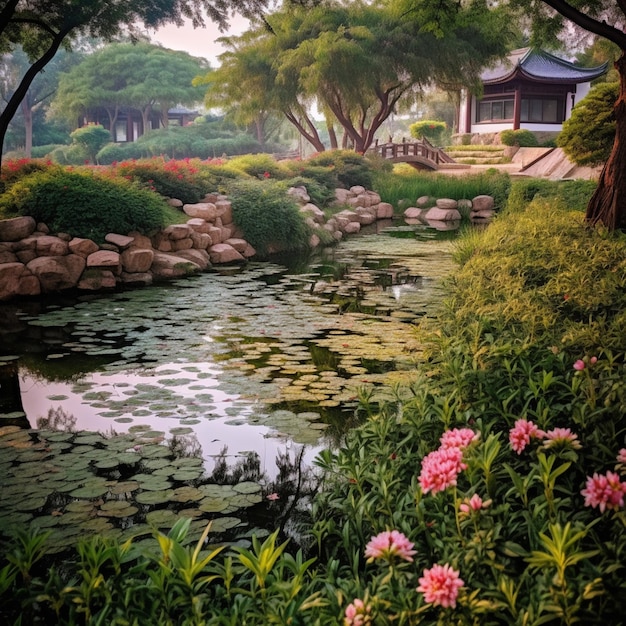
{"x": 444, "y": 213}
{"x": 33, "y": 261}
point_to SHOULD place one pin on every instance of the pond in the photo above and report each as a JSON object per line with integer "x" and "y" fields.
{"x": 207, "y": 397}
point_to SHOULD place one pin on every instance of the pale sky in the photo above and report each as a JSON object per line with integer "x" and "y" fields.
{"x": 199, "y": 42}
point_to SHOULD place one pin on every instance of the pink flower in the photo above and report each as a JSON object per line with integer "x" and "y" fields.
{"x": 521, "y": 434}
{"x": 621, "y": 456}
{"x": 458, "y": 438}
{"x": 389, "y": 544}
{"x": 440, "y": 585}
{"x": 579, "y": 365}
{"x": 561, "y": 437}
{"x": 475, "y": 503}
{"x": 357, "y": 613}
{"x": 605, "y": 492}
{"x": 593, "y": 360}
{"x": 440, "y": 469}
{"x": 273, "y": 496}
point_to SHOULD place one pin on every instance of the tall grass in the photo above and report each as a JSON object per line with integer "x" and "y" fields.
{"x": 404, "y": 186}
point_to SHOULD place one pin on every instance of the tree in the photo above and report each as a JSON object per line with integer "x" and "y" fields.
{"x": 41, "y": 27}
{"x": 607, "y": 19}
{"x": 142, "y": 76}
{"x": 359, "y": 60}
{"x": 587, "y": 136}
{"x": 91, "y": 138}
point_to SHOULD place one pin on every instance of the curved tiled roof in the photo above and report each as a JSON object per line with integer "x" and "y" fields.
{"x": 540, "y": 66}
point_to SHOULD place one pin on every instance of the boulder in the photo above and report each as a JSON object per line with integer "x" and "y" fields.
{"x": 446, "y": 203}
{"x": 224, "y": 210}
{"x": 46, "y": 245}
{"x": 300, "y": 194}
{"x": 182, "y": 244}
{"x": 239, "y": 244}
{"x": 315, "y": 212}
{"x": 56, "y": 273}
{"x": 314, "y": 241}
{"x": 17, "y": 228}
{"x": 482, "y": 215}
{"x": 17, "y": 280}
{"x": 201, "y": 241}
{"x": 384, "y": 211}
{"x": 171, "y": 266}
{"x": 482, "y": 203}
{"x": 216, "y": 234}
{"x": 412, "y": 213}
{"x": 94, "y": 279}
{"x": 351, "y": 228}
{"x": 357, "y": 189}
{"x": 105, "y": 259}
{"x": 175, "y": 202}
{"x": 342, "y": 195}
{"x": 206, "y": 210}
{"x": 174, "y": 232}
{"x": 199, "y": 257}
{"x": 138, "y": 279}
{"x": 423, "y": 201}
{"x": 137, "y": 260}
{"x": 249, "y": 252}
{"x": 121, "y": 241}
{"x": 199, "y": 225}
{"x": 223, "y": 253}
{"x": 7, "y": 257}
{"x": 83, "y": 247}
{"x": 442, "y": 215}
{"x": 140, "y": 241}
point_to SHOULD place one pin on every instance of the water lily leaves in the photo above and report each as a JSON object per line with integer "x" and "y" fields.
{"x": 154, "y": 497}
{"x": 117, "y": 508}
{"x": 186, "y": 494}
{"x": 162, "y": 518}
{"x": 212, "y": 505}
{"x": 90, "y": 491}
{"x": 247, "y": 487}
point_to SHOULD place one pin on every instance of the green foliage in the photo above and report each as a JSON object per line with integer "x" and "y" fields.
{"x": 270, "y": 220}
{"x": 571, "y": 194}
{"x": 432, "y": 130}
{"x": 91, "y": 138}
{"x": 350, "y": 168}
{"x": 261, "y": 166}
{"x": 411, "y": 185}
{"x": 520, "y": 137}
{"x": 115, "y": 152}
{"x": 587, "y": 136}
{"x": 15, "y": 170}
{"x": 172, "y": 179}
{"x": 74, "y": 154}
{"x": 84, "y": 204}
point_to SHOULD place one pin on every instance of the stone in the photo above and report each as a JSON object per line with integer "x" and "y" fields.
{"x": 212, "y": 197}
{"x": 199, "y": 257}
{"x": 239, "y": 244}
{"x": 140, "y": 241}
{"x": 444, "y": 225}
{"x": 442, "y": 215}
{"x": 105, "y": 259}
{"x": 12, "y": 276}
{"x": 464, "y": 205}
{"x": 351, "y": 228}
{"x": 7, "y": 257}
{"x": 226, "y": 233}
{"x": 174, "y": 232}
{"x": 25, "y": 256}
{"x": 199, "y": 225}
{"x": 171, "y": 266}
{"x": 249, "y": 252}
{"x": 314, "y": 211}
{"x": 412, "y": 213}
{"x": 94, "y": 279}
{"x": 121, "y": 241}
{"x": 161, "y": 243}
{"x": 483, "y": 203}
{"x": 136, "y": 260}
{"x": 175, "y": 202}
{"x": 357, "y": 189}
{"x": 46, "y": 245}
{"x": 206, "y": 210}
{"x": 365, "y": 216}
{"x": 384, "y": 211}
{"x": 300, "y": 194}
{"x": 446, "y": 203}
{"x": 423, "y": 201}
{"x": 201, "y": 241}
{"x": 16, "y": 228}
{"x": 84, "y": 247}
{"x": 342, "y": 195}
{"x": 182, "y": 244}
{"x": 56, "y": 273}
{"x": 43, "y": 228}
{"x": 364, "y": 199}
{"x": 64, "y": 237}
{"x": 482, "y": 215}
{"x": 216, "y": 234}
{"x": 224, "y": 210}
{"x": 314, "y": 241}
{"x": 223, "y": 253}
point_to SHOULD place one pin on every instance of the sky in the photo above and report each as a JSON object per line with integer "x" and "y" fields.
{"x": 199, "y": 42}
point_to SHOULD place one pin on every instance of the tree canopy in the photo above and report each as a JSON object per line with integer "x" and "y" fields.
{"x": 357, "y": 60}
{"x": 143, "y": 76}
{"x": 41, "y": 27}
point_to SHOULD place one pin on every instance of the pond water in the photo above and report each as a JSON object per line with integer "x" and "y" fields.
{"x": 204, "y": 396}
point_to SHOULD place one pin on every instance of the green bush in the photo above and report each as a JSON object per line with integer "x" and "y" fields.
{"x": 91, "y": 138}
{"x": 351, "y": 168}
{"x": 39, "y": 152}
{"x": 433, "y": 130}
{"x": 115, "y": 152}
{"x": 571, "y": 194}
{"x": 588, "y": 135}
{"x": 269, "y": 219}
{"x": 84, "y": 204}
{"x": 74, "y": 154}
{"x": 520, "y": 137}
{"x": 320, "y": 195}
{"x": 15, "y": 170}
{"x": 261, "y": 166}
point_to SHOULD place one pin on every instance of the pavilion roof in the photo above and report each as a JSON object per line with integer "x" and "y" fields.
{"x": 540, "y": 66}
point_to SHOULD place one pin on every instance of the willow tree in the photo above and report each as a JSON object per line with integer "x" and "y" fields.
{"x": 357, "y": 61}
{"x": 41, "y": 27}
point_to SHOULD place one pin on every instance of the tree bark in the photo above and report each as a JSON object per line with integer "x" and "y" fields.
{"x": 27, "y": 112}
{"x": 608, "y": 203}
{"x": 311, "y": 135}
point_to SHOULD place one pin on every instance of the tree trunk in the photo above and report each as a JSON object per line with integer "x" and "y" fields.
{"x": 27, "y": 112}
{"x": 332, "y": 135}
{"x": 608, "y": 203}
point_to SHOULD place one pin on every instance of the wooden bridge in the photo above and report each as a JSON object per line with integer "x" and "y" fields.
{"x": 419, "y": 154}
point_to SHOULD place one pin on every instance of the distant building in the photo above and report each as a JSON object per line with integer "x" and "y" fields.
{"x": 129, "y": 125}
{"x": 531, "y": 89}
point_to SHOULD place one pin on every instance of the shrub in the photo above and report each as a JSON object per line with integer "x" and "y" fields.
{"x": 74, "y": 154}
{"x": 571, "y": 194}
{"x": 261, "y": 166}
{"x": 39, "y": 152}
{"x": 15, "y": 170}
{"x": 351, "y": 168}
{"x": 84, "y": 204}
{"x": 320, "y": 195}
{"x": 432, "y": 130}
{"x": 269, "y": 219}
{"x": 115, "y": 152}
{"x": 172, "y": 179}
{"x": 520, "y": 137}
{"x": 91, "y": 138}
{"x": 587, "y": 136}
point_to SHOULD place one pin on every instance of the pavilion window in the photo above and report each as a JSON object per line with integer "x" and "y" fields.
{"x": 495, "y": 110}
{"x": 542, "y": 110}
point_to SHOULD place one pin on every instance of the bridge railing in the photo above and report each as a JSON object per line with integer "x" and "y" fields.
{"x": 422, "y": 148}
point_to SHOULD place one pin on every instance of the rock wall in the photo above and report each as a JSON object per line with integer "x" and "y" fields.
{"x": 33, "y": 261}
